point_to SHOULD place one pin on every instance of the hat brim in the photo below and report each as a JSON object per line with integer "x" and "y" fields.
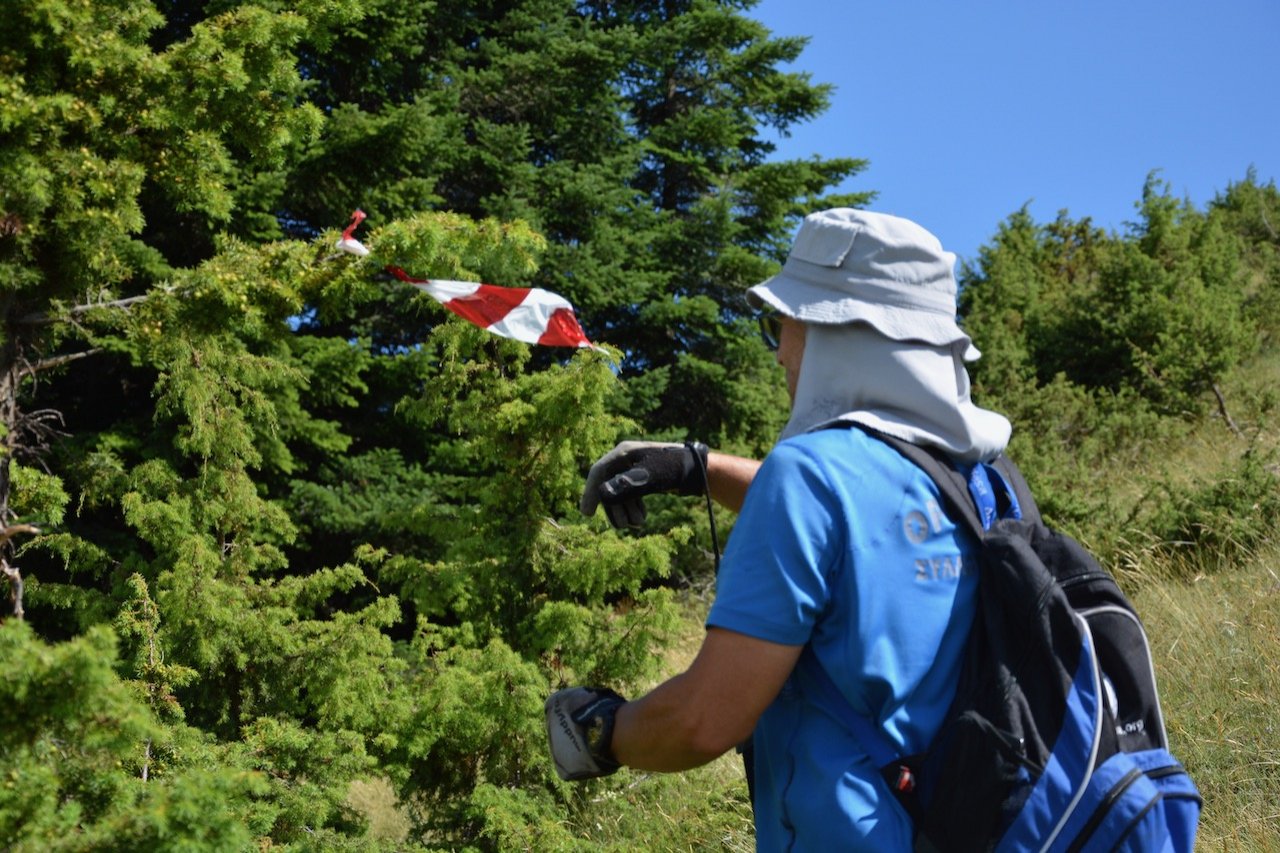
{"x": 812, "y": 303}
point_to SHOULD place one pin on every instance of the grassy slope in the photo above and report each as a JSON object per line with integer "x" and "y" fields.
{"x": 1216, "y": 642}
{"x": 1215, "y": 634}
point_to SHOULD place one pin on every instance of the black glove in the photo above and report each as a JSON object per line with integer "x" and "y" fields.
{"x": 580, "y": 730}
{"x": 633, "y": 469}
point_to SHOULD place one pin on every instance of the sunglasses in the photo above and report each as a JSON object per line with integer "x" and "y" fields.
{"x": 771, "y": 329}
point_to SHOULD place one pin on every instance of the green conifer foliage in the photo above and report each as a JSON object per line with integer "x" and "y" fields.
{"x": 1093, "y": 342}
{"x": 1158, "y": 312}
{"x": 1252, "y": 211}
{"x": 89, "y": 767}
{"x": 634, "y": 136}
{"x": 278, "y": 524}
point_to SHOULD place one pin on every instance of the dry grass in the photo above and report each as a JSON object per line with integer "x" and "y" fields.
{"x": 1216, "y": 642}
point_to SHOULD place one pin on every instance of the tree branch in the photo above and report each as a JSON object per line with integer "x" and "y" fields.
{"x": 1222, "y": 408}
{"x": 16, "y": 586}
{"x": 14, "y": 529}
{"x": 40, "y": 318}
{"x": 55, "y": 361}
{"x": 1267, "y": 222}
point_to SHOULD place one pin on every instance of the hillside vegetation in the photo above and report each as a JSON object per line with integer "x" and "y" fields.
{"x": 293, "y": 556}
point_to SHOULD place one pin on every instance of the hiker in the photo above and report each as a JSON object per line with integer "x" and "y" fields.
{"x": 845, "y": 583}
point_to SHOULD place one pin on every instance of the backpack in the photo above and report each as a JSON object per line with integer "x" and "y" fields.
{"x": 1054, "y": 740}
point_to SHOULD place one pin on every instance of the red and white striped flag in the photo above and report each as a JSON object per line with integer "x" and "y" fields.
{"x": 348, "y": 243}
{"x": 527, "y": 314}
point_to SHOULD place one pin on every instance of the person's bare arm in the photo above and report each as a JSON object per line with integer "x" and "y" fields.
{"x": 728, "y": 478}
{"x": 698, "y": 715}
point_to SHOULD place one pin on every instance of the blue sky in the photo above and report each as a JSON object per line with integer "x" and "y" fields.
{"x": 969, "y": 109}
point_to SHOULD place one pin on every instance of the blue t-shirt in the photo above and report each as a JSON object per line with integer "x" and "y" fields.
{"x": 842, "y": 546}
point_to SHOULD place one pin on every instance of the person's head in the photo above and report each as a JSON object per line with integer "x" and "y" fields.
{"x": 857, "y": 266}
{"x": 865, "y": 315}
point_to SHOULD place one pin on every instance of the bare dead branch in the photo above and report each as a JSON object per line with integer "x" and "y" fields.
{"x": 41, "y": 318}
{"x": 1226, "y": 416}
{"x": 16, "y": 586}
{"x": 14, "y": 529}
{"x": 1262, "y": 211}
{"x": 1267, "y": 223}
{"x": 35, "y": 433}
{"x": 32, "y": 368}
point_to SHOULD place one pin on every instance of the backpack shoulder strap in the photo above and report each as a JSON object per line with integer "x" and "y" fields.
{"x": 1013, "y": 477}
{"x": 951, "y": 483}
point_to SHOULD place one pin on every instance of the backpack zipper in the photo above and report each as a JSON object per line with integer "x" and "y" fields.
{"x": 1075, "y": 580}
{"x": 1100, "y": 813}
{"x": 1167, "y": 770}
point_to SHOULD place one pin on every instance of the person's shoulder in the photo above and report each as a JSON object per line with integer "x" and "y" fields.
{"x": 809, "y": 448}
{"x": 810, "y": 458}
{"x": 846, "y": 451}
{"x": 836, "y": 441}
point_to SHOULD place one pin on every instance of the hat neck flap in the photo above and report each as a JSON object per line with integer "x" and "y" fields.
{"x": 914, "y": 391}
